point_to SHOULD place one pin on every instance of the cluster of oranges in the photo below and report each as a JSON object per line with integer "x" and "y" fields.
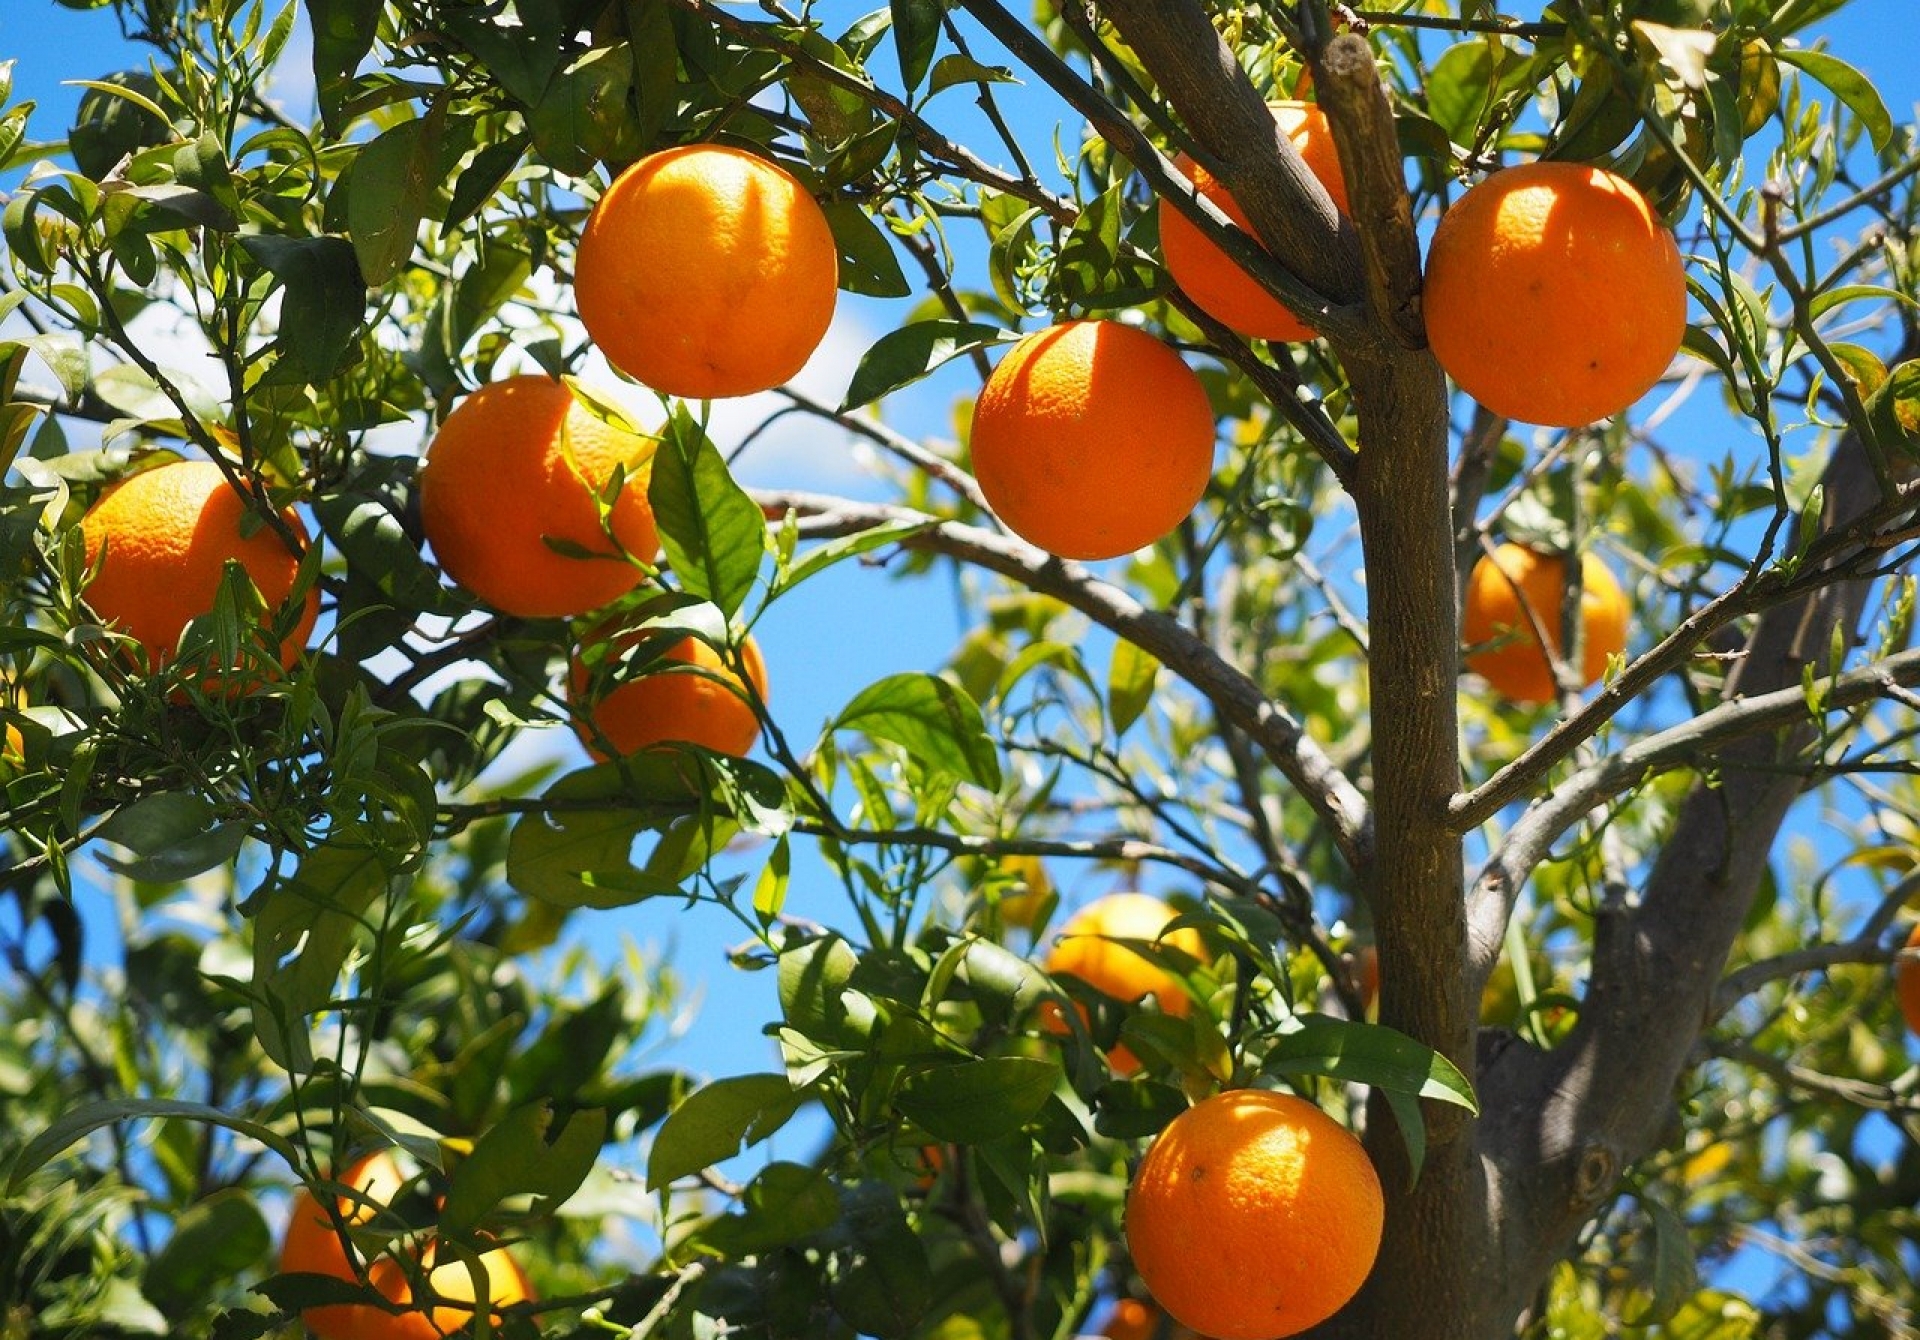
{"x": 314, "y": 1246}
{"x": 1285, "y": 1198}
{"x": 1554, "y": 294}
{"x": 531, "y": 500}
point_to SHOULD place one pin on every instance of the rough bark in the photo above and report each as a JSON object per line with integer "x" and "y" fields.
{"x": 1561, "y": 1127}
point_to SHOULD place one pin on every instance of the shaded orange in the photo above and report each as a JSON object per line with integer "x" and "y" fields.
{"x": 1906, "y": 982}
{"x": 666, "y": 704}
{"x": 1131, "y": 1319}
{"x": 1207, "y": 274}
{"x": 1092, "y": 439}
{"x": 1253, "y": 1216}
{"x": 1496, "y": 622}
{"x": 312, "y": 1246}
{"x": 1088, "y": 947}
{"x": 1554, "y": 294}
{"x": 706, "y": 271}
{"x": 521, "y": 462}
{"x": 162, "y": 540}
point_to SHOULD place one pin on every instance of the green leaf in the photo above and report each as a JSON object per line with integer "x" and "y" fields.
{"x": 523, "y": 1154}
{"x": 951, "y": 70}
{"x": 867, "y": 262}
{"x": 1684, "y": 51}
{"x": 173, "y": 836}
{"x": 324, "y": 299}
{"x": 1467, "y": 81}
{"x": 816, "y": 998}
{"x": 784, "y": 1203}
{"x": 1893, "y": 409}
{"x": 714, "y": 534}
{"x": 916, "y": 33}
{"x": 378, "y": 549}
{"x": 901, "y": 357}
{"x": 935, "y": 721}
{"x": 388, "y": 188}
{"x": 882, "y": 1283}
{"x": 971, "y": 1102}
{"x": 1130, "y": 681}
{"x": 1676, "y": 1275}
{"x": 90, "y": 1117}
{"x": 1003, "y": 984}
{"x": 1092, "y": 269}
{"x": 1373, "y": 1054}
{"x": 1413, "y": 1128}
{"x": 214, "y": 1240}
{"x": 585, "y": 114}
{"x": 823, "y": 556}
{"x": 304, "y": 926}
{"x": 343, "y": 33}
{"x": 716, "y": 1121}
{"x": 770, "y": 890}
{"x": 1847, "y": 84}
{"x": 583, "y": 857}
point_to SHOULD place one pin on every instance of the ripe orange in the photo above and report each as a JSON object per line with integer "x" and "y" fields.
{"x": 162, "y": 540}
{"x": 1223, "y": 290}
{"x": 1087, "y": 947}
{"x": 312, "y": 1246}
{"x": 665, "y": 703}
{"x": 1554, "y": 294}
{"x": 706, "y": 271}
{"x": 1906, "y": 981}
{"x": 1092, "y": 439}
{"x": 522, "y": 462}
{"x": 1254, "y": 1216}
{"x": 1510, "y": 658}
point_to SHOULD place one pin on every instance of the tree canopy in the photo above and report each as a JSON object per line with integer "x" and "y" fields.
{"x": 1600, "y": 964}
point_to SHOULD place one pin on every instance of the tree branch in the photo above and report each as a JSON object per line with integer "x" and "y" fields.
{"x": 1362, "y": 120}
{"x": 1683, "y": 745}
{"x": 1328, "y": 792}
{"x": 1236, "y": 138}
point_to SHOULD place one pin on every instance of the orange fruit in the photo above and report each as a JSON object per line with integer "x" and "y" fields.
{"x": 1092, "y": 439}
{"x": 706, "y": 271}
{"x": 162, "y": 539}
{"x": 1131, "y": 1319}
{"x": 1021, "y": 902}
{"x": 665, "y": 703}
{"x": 1207, "y": 274}
{"x": 312, "y": 1246}
{"x": 1554, "y": 294}
{"x": 1501, "y": 627}
{"x": 1369, "y": 975}
{"x": 1906, "y": 981}
{"x": 1253, "y": 1216}
{"x": 1088, "y": 948}
{"x": 522, "y": 462}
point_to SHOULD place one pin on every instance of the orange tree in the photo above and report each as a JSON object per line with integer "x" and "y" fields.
{"x": 1636, "y": 1063}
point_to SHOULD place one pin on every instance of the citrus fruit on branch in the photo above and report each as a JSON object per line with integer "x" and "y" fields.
{"x": 706, "y": 271}
{"x": 161, "y": 541}
{"x": 510, "y": 499}
{"x": 1091, "y": 947}
{"x": 1516, "y": 590}
{"x": 1254, "y": 1215}
{"x": 1092, "y": 439}
{"x": 687, "y": 694}
{"x": 1554, "y": 294}
{"x": 313, "y": 1246}
{"x": 1213, "y": 279}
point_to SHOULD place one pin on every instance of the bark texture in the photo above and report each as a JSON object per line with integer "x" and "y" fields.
{"x": 1501, "y": 1198}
